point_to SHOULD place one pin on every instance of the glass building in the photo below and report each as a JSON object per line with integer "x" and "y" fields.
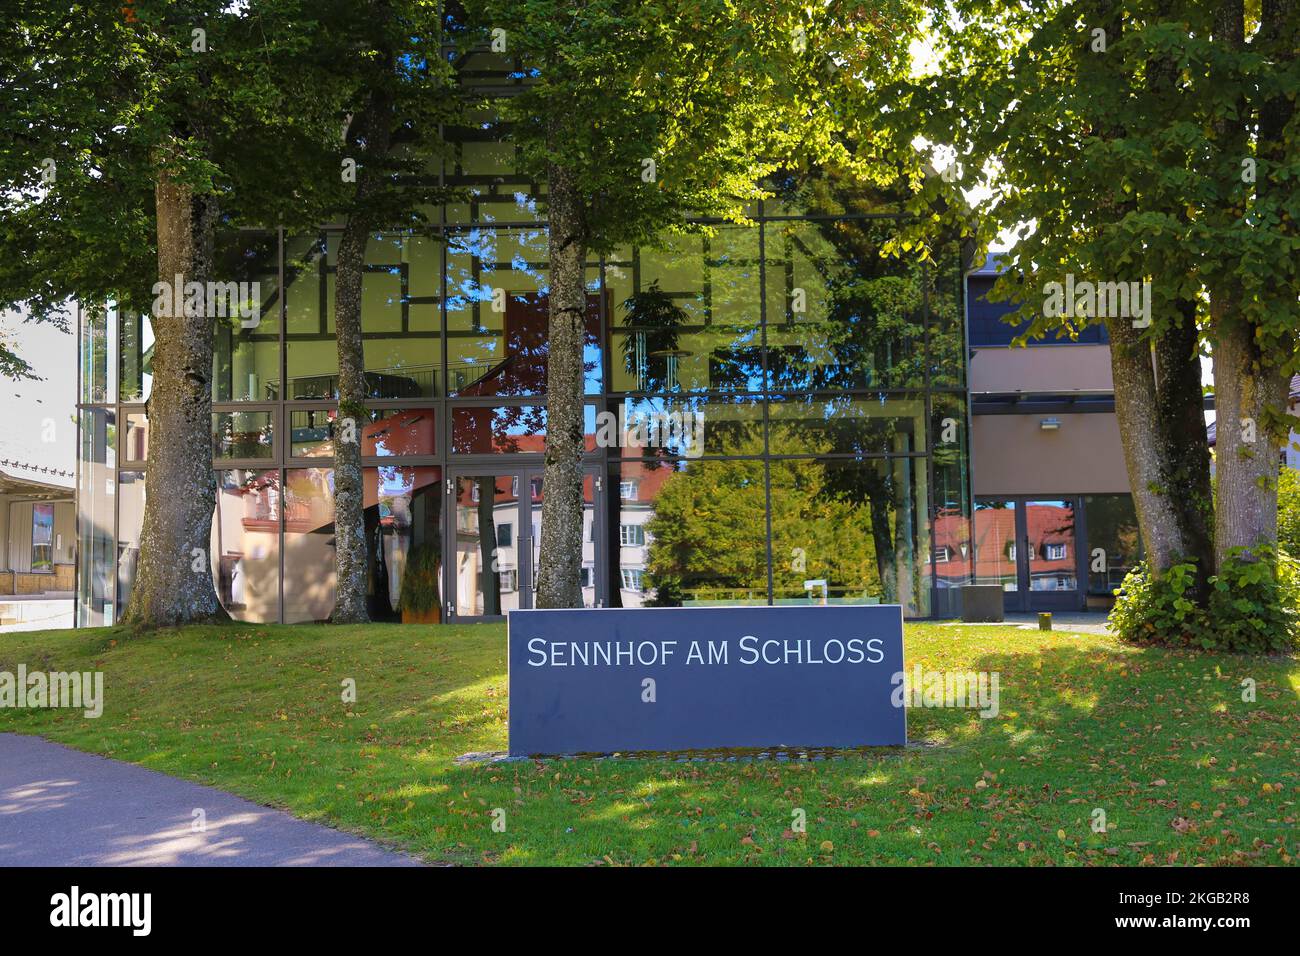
{"x": 775, "y": 414}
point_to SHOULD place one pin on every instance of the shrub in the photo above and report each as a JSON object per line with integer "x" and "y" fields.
{"x": 1253, "y": 606}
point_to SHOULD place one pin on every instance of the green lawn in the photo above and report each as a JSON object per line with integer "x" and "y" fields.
{"x": 1185, "y": 771}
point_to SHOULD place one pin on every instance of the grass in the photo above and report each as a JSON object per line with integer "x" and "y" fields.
{"x": 1161, "y": 741}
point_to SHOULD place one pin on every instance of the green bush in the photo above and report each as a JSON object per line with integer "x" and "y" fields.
{"x": 1253, "y": 606}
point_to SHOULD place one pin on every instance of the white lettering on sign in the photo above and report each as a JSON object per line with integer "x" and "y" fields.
{"x": 752, "y": 650}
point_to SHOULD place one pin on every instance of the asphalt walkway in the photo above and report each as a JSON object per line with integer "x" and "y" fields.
{"x": 62, "y": 807}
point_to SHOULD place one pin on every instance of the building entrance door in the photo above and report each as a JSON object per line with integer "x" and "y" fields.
{"x": 1032, "y": 547}
{"x": 495, "y": 533}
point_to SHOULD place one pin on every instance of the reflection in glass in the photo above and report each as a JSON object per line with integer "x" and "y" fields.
{"x": 706, "y": 540}
{"x": 838, "y": 314}
{"x": 311, "y": 432}
{"x": 96, "y": 352}
{"x": 404, "y": 529}
{"x": 843, "y": 424}
{"x": 1052, "y": 556}
{"x": 401, "y": 297}
{"x": 135, "y": 356}
{"x": 246, "y": 544}
{"x": 1112, "y": 527}
{"x": 953, "y": 555}
{"x": 239, "y": 435}
{"x": 995, "y": 544}
{"x": 848, "y": 532}
{"x": 684, "y": 426}
{"x": 498, "y": 314}
{"x": 398, "y": 431}
{"x": 687, "y": 315}
{"x": 246, "y": 342}
{"x": 507, "y": 429}
{"x": 135, "y": 446}
{"x": 96, "y": 503}
{"x": 487, "y": 545}
{"x": 309, "y": 568}
{"x": 947, "y": 342}
{"x": 130, "y": 520}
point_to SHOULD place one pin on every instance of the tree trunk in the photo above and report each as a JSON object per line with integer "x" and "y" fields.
{"x": 1250, "y": 397}
{"x": 1184, "y": 448}
{"x": 1250, "y": 389}
{"x": 371, "y": 134}
{"x": 173, "y": 583}
{"x": 349, "y": 484}
{"x": 560, "y": 557}
{"x": 1159, "y": 455}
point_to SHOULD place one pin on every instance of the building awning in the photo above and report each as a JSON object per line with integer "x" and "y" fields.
{"x": 35, "y": 481}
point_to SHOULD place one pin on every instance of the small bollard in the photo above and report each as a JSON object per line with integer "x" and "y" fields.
{"x": 1045, "y": 620}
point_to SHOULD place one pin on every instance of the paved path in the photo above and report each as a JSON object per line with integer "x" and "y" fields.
{"x": 61, "y": 807}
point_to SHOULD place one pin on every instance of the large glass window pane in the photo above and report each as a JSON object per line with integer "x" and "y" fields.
{"x": 1114, "y": 545}
{"x": 246, "y": 342}
{"x": 507, "y": 429}
{"x": 838, "y": 314}
{"x": 843, "y": 424}
{"x": 96, "y": 501}
{"x": 850, "y": 532}
{"x": 684, "y": 426}
{"x": 400, "y": 316}
{"x": 947, "y": 341}
{"x": 130, "y": 520}
{"x": 135, "y": 356}
{"x": 246, "y": 545}
{"x": 97, "y": 379}
{"x": 309, "y": 568}
{"x": 498, "y": 312}
{"x": 239, "y": 435}
{"x": 953, "y": 554}
{"x": 634, "y": 489}
{"x": 686, "y": 316}
{"x": 399, "y": 431}
{"x": 404, "y": 529}
{"x": 311, "y": 432}
{"x": 995, "y": 544}
{"x": 1053, "y": 559}
{"x": 705, "y": 530}
{"x": 135, "y": 446}
{"x": 488, "y": 561}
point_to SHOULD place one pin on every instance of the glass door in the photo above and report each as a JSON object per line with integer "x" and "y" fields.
{"x": 996, "y": 559}
{"x": 1030, "y": 546}
{"x": 1051, "y": 555}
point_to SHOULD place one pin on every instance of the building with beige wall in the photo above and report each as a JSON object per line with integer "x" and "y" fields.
{"x": 1054, "y": 522}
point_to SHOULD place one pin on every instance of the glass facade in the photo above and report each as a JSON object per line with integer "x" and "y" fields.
{"x": 776, "y": 414}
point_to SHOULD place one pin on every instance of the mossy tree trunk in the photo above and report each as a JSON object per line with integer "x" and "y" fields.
{"x": 559, "y": 562}
{"x": 371, "y": 131}
{"x": 1162, "y": 432}
{"x": 173, "y": 583}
